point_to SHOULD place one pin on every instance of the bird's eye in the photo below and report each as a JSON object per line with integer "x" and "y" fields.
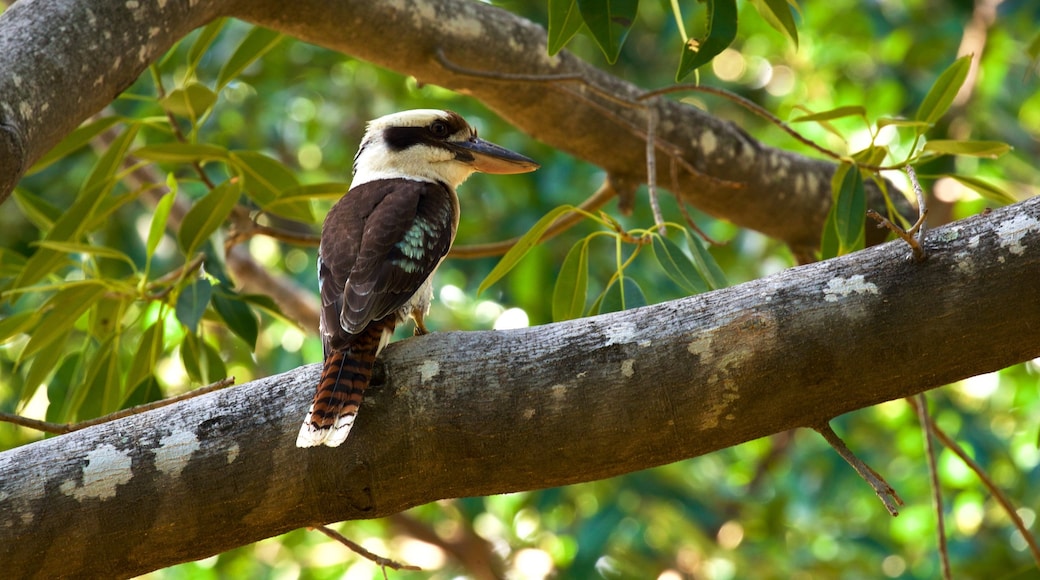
{"x": 439, "y": 129}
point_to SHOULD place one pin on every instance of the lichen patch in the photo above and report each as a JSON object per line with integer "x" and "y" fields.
{"x": 838, "y": 288}
{"x": 1010, "y": 233}
{"x": 175, "y": 451}
{"x": 428, "y": 370}
{"x": 106, "y": 468}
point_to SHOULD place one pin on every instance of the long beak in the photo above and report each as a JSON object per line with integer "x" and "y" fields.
{"x": 487, "y": 157}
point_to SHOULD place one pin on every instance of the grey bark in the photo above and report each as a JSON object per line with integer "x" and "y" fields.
{"x": 475, "y": 413}
{"x": 99, "y": 47}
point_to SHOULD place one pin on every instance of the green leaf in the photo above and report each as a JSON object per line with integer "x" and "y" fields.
{"x": 942, "y": 93}
{"x": 73, "y": 141}
{"x": 192, "y": 303}
{"x": 182, "y": 153}
{"x": 203, "y": 41}
{"x": 43, "y": 364}
{"x": 836, "y": 113}
{"x": 159, "y": 217}
{"x": 191, "y": 101}
{"x": 621, "y": 296}
{"x": 237, "y": 314}
{"x": 849, "y": 208}
{"x": 986, "y": 190}
{"x": 62, "y": 310}
{"x": 886, "y": 121}
{"x": 564, "y": 22}
{"x": 256, "y": 43}
{"x": 37, "y": 210}
{"x": 677, "y": 266}
{"x": 295, "y": 202}
{"x": 265, "y": 179}
{"x": 15, "y": 325}
{"x": 522, "y": 246}
{"x": 778, "y": 14}
{"x": 722, "y": 29}
{"x": 97, "y": 394}
{"x": 65, "y": 378}
{"x": 207, "y": 215}
{"x": 148, "y": 352}
{"x": 872, "y": 155}
{"x": 705, "y": 263}
{"x": 990, "y": 149}
{"x": 88, "y": 249}
{"x": 201, "y": 361}
{"x": 572, "y": 284}
{"x": 609, "y": 21}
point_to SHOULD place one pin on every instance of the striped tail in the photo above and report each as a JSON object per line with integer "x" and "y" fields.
{"x": 344, "y": 378}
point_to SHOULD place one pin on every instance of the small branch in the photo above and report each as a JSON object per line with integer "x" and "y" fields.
{"x": 605, "y": 193}
{"x": 906, "y": 235}
{"x": 380, "y": 561}
{"x": 933, "y": 472}
{"x": 997, "y": 493}
{"x": 651, "y": 168}
{"x": 63, "y": 428}
{"x": 922, "y": 207}
{"x": 884, "y": 491}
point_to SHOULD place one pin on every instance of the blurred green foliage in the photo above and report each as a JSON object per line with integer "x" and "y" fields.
{"x": 279, "y": 120}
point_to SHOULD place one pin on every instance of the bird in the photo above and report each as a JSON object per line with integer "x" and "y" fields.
{"x": 381, "y": 244}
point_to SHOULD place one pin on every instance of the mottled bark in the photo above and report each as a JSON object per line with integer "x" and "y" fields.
{"x": 476, "y": 413}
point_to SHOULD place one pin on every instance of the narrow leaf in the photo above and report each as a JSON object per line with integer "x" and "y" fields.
{"x": 564, "y": 22}
{"x": 677, "y": 266}
{"x": 849, "y": 207}
{"x": 722, "y": 29}
{"x": 159, "y": 217}
{"x": 62, "y": 309}
{"x": 191, "y": 101}
{"x": 42, "y": 366}
{"x": 886, "y": 121}
{"x": 569, "y": 293}
{"x": 88, "y": 249}
{"x": 986, "y": 190}
{"x": 836, "y": 113}
{"x": 942, "y": 93}
{"x": 73, "y": 141}
{"x": 609, "y": 21}
{"x": 37, "y": 210}
{"x": 203, "y": 41}
{"x": 990, "y": 149}
{"x": 148, "y": 352}
{"x": 779, "y": 15}
{"x": 624, "y": 294}
{"x": 256, "y": 43}
{"x": 182, "y": 153}
{"x": 705, "y": 263}
{"x": 15, "y": 325}
{"x": 206, "y": 216}
{"x": 522, "y": 246}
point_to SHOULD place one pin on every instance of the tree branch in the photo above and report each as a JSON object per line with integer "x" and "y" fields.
{"x": 475, "y": 413}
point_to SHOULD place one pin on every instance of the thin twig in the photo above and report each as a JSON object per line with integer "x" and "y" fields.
{"x": 990, "y": 485}
{"x": 933, "y": 472}
{"x": 380, "y": 561}
{"x": 651, "y": 168}
{"x": 922, "y": 207}
{"x": 62, "y": 428}
{"x": 605, "y": 193}
{"x": 884, "y": 491}
{"x": 906, "y": 235}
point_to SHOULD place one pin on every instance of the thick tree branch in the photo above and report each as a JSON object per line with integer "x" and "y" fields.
{"x": 105, "y": 44}
{"x": 475, "y": 413}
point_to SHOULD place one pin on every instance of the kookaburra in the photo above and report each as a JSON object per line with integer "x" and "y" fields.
{"x": 381, "y": 244}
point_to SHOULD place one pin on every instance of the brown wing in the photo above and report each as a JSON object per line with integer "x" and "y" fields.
{"x": 380, "y": 242}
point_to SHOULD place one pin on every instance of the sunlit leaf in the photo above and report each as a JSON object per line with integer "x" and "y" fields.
{"x": 564, "y": 22}
{"x": 149, "y": 349}
{"x": 836, "y": 113}
{"x": 237, "y": 314}
{"x": 182, "y": 152}
{"x": 872, "y": 155}
{"x": 779, "y": 15}
{"x": 722, "y": 29}
{"x": 88, "y": 249}
{"x": 265, "y": 179}
{"x": 201, "y": 361}
{"x": 62, "y": 309}
{"x": 990, "y": 149}
{"x": 74, "y": 141}
{"x": 37, "y": 210}
{"x": 522, "y": 246}
{"x": 848, "y": 209}
{"x": 191, "y": 101}
{"x": 203, "y": 41}
{"x": 609, "y": 21}
{"x": 192, "y": 302}
{"x": 942, "y": 93}
{"x": 207, "y": 215}
{"x": 895, "y": 122}
{"x": 15, "y": 325}
{"x": 159, "y": 217}
{"x": 256, "y": 43}
{"x": 986, "y": 190}
{"x": 42, "y": 366}
{"x": 570, "y": 291}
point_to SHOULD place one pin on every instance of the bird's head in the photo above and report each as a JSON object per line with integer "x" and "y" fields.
{"x": 430, "y": 145}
